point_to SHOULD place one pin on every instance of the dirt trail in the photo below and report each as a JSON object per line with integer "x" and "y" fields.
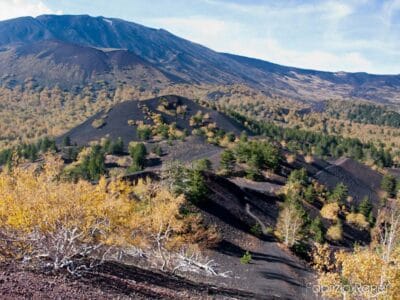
{"x": 255, "y": 218}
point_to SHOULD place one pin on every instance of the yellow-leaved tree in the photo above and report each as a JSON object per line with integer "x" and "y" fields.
{"x": 64, "y": 225}
{"x": 371, "y": 272}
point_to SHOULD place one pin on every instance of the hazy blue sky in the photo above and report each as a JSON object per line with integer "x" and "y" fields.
{"x": 335, "y": 35}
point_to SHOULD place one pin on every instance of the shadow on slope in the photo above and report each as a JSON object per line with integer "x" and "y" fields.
{"x": 273, "y": 270}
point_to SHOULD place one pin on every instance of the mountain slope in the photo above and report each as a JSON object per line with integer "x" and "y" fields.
{"x": 186, "y": 60}
{"x": 51, "y": 62}
{"x": 177, "y": 59}
{"x": 117, "y": 119}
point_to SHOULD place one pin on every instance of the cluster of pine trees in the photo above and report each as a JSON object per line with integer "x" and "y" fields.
{"x": 256, "y": 155}
{"x": 28, "y": 151}
{"x": 317, "y": 143}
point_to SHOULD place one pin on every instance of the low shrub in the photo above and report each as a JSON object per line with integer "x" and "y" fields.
{"x": 358, "y": 220}
{"x": 246, "y": 258}
{"x": 98, "y": 123}
{"x": 335, "y": 232}
{"x": 330, "y": 211}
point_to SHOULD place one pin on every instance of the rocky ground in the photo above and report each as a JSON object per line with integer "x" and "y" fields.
{"x": 111, "y": 281}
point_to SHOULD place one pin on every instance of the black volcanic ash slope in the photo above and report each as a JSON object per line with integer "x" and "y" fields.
{"x": 116, "y": 120}
{"x": 52, "y": 62}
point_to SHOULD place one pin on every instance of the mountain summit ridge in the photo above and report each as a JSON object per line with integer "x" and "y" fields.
{"x": 169, "y": 58}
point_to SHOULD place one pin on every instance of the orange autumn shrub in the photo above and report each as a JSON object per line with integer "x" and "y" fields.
{"x": 45, "y": 218}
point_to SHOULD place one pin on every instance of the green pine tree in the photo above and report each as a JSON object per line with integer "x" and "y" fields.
{"x": 228, "y": 162}
{"x": 388, "y": 184}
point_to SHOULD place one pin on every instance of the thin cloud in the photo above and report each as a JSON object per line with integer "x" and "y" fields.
{"x": 389, "y": 8}
{"x": 17, "y": 8}
{"x": 222, "y": 36}
{"x": 324, "y": 35}
{"x": 326, "y": 9}
{"x": 206, "y": 31}
{"x": 270, "y": 49}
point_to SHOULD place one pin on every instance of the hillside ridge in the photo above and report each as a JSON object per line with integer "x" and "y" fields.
{"x": 176, "y": 60}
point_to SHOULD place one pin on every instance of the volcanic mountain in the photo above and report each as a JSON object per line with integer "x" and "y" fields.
{"x": 75, "y": 50}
